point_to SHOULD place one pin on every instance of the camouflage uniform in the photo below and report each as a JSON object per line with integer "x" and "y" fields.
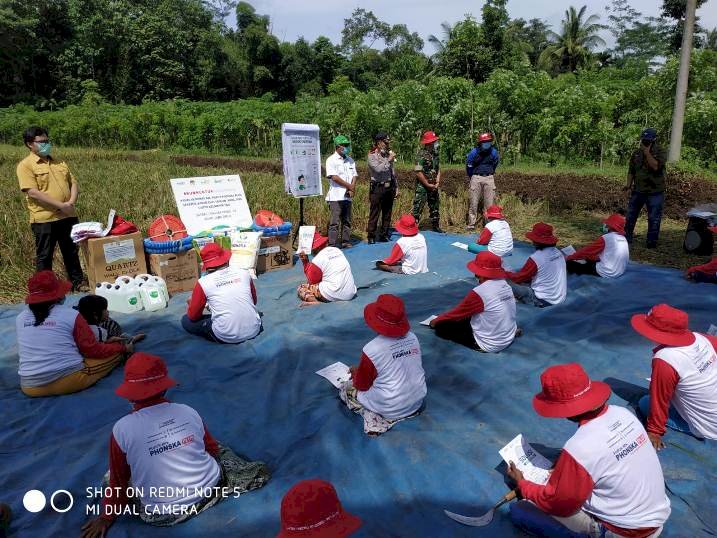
{"x": 427, "y": 162}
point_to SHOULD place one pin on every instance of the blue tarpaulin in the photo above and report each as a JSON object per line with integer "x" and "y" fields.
{"x": 263, "y": 399}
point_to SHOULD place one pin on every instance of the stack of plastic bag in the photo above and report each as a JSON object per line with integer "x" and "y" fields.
{"x": 86, "y": 230}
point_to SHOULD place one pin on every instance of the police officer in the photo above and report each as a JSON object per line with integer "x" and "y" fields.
{"x": 428, "y": 180}
{"x": 383, "y": 188}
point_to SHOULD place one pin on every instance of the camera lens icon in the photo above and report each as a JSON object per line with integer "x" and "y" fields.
{"x": 35, "y": 501}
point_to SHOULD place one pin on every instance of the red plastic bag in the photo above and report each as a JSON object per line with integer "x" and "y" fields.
{"x": 122, "y": 227}
{"x": 268, "y": 219}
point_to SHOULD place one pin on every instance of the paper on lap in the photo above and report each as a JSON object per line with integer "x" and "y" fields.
{"x": 460, "y": 245}
{"x": 712, "y": 331}
{"x": 337, "y": 374}
{"x": 568, "y": 250}
{"x": 534, "y": 466}
{"x": 306, "y": 239}
{"x": 429, "y": 319}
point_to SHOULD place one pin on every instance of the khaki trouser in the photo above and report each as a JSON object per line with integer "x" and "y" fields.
{"x": 93, "y": 371}
{"x": 480, "y": 187}
{"x": 581, "y": 522}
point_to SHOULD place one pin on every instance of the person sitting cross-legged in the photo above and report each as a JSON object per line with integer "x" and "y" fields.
{"x": 607, "y": 481}
{"x": 409, "y": 255}
{"x": 496, "y": 236}
{"x": 707, "y": 272}
{"x": 485, "y": 319}
{"x": 607, "y": 256}
{"x": 329, "y": 277}
{"x": 683, "y": 385}
{"x": 165, "y": 466}
{"x": 389, "y": 384}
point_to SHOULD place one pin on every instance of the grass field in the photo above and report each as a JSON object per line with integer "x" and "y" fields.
{"x": 136, "y": 184}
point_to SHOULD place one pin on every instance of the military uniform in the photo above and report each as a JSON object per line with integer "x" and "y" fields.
{"x": 428, "y": 163}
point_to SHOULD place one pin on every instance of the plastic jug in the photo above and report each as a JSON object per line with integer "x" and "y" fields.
{"x": 153, "y": 280}
{"x": 122, "y": 296}
{"x": 107, "y": 290}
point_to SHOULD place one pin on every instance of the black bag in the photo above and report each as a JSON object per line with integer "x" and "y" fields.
{"x": 699, "y": 240}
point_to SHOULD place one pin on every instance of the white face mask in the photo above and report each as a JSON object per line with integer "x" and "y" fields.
{"x": 436, "y": 145}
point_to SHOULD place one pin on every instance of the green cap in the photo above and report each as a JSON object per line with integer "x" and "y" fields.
{"x": 341, "y": 140}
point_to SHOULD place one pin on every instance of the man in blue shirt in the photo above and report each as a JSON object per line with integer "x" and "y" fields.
{"x": 481, "y": 163}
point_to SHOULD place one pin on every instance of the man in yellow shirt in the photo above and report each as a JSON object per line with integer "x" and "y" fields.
{"x": 51, "y": 192}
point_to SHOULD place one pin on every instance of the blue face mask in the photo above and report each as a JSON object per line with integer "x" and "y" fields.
{"x": 604, "y": 229}
{"x": 486, "y": 145}
{"x": 43, "y": 148}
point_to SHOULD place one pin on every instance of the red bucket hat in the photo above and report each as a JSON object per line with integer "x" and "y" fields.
{"x": 665, "y": 325}
{"x": 487, "y": 264}
{"x": 145, "y": 376}
{"x": 568, "y": 392}
{"x": 311, "y": 509}
{"x": 616, "y": 222}
{"x": 429, "y": 137}
{"x": 485, "y": 137}
{"x": 387, "y": 316}
{"x": 214, "y": 255}
{"x": 494, "y": 212}
{"x": 542, "y": 233}
{"x": 319, "y": 242}
{"x": 44, "y": 286}
{"x": 406, "y": 225}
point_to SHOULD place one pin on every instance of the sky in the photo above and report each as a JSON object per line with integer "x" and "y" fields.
{"x": 312, "y": 18}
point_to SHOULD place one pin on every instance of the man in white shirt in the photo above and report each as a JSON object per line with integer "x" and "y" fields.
{"x": 341, "y": 171}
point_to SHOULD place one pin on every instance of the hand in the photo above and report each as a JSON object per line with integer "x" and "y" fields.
{"x": 129, "y": 347}
{"x": 656, "y": 441}
{"x": 432, "y": 324}
{"x": 138, "y": 338}
{"x": 66, "y": 208}
{"x": 352, "y": 370}
{"x": 515, "y": 473}
{"x": 302, "y": 256}
{"x": 114, "y": 339}
{"x": 391, "y": 155}
{"x": 396, "y": 195}
{"x": 96, "y": 528}
{"x": 689, "y": 275}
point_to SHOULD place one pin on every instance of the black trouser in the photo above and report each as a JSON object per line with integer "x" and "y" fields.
{"x": 49, "y": 234}
{"x": 587, "y": 268}
{"x": 381, "y": 200}
{"x": 460, "y": 332}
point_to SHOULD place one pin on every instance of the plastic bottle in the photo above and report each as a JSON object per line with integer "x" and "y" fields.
{"x": 153, "y": 280}
{"x": 125, "y": 295}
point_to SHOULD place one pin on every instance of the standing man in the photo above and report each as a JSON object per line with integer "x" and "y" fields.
{"x": 51, "y": 193}
{"x": 341, "y": 171}
{"x": 428, "y": 180}
{"x": 646, "y": 181}
{"x": 384, "y": 187}
{"x": 481, "y": 163}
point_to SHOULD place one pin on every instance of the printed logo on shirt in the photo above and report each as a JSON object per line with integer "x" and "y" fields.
{"x": 631, "y": 447}
{"x": 221, "y": 283}
{"x": 46, "y": 323}
{"x": 167, "y": 447}
{"x": 704, "y": 365}
{"x": 405, "y": 353}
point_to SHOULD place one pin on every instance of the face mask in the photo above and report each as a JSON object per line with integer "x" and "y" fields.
{"x": 604, "y": 229}
{"x": 436, "y": 145}
{"x": 646, "y": 143}
{"x": 43, "y": 148}
{"x": 486, "y": 145}
{"x": 347, "y": 151}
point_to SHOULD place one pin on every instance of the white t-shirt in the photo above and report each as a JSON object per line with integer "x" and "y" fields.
{"x": 695, "y": 396}
{"x": 336, "y": 165}
{"x": 234, "y": 316}
{"x": 614, "y": 257}
{"x": 337, "y": 281}
{"x": 616, "y": 452}
{"x": 164, "y": 446}
{"x": 400, "y": 386}
{"x": 494, "y": 328}
{"x": 551, "y": 282}
{"x": 501, "y": 240}
{"x": 415, "y": 254}
{"x": 48, "y": 351}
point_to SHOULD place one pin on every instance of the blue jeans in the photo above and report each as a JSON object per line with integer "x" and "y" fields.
{"x": 654, "y": 202}
{"x": 534, "y": 522}
{"x": 526, "y": 295}
{"x": 674, "y": 420}
{"x": 699, "y": 276}
{"x": 202, "y": 327}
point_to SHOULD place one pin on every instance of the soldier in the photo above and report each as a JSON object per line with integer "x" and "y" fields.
{"x": 428, "y": 180}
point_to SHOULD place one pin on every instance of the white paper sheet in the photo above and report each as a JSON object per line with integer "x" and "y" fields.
{"x": 336, "y": 373}
{"x": 712, "y": 331}
{"x": 460, "y": 245}
{"x": 429, "y": 319}
{"x": 535, "y": 466}
{"x": 568, "y": 250}
{"x": 110, "y": 221}
{"x": 306, "y": 239}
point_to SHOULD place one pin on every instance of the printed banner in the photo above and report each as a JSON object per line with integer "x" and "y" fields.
{"x": 302, "y": 159}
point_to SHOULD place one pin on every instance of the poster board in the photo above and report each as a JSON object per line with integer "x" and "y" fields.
{"x": 306, "y": 239}
{"x": 206, "y": 202}
{"x": 302, "y": 159}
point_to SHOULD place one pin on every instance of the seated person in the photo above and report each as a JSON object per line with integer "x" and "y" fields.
{"x": 704, "y": 273}
{"x": 165, "y": 447}
{"x": 389, "y": 384}
{"x": 58, "y": 351}
{"x": 607, "y": 480}
{"x": 607, "y": 256}
{"x": 311, "y": 509}
{"x": 485, "y": 319}
{"x": 409, "y": 255}
{"x": 683, "y": 386}
{"x": 496, "y": 236}
{"x": 229, "y": 294}
{"x": 94, "y": 309}
{"x": 544, "y": 270}
{"x": 328, "y": 274}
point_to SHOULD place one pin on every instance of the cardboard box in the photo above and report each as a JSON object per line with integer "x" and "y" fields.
{"x": 106, "y": 258}
{"x": 180, "y": 271}
{"x": 276, "y": 252}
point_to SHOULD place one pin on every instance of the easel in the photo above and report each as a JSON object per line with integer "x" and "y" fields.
{"x": 301, "y": 220}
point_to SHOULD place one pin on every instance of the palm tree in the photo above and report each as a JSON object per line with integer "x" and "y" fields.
{"x": 440, "y": 44}
{"x": 572, "y": 48}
